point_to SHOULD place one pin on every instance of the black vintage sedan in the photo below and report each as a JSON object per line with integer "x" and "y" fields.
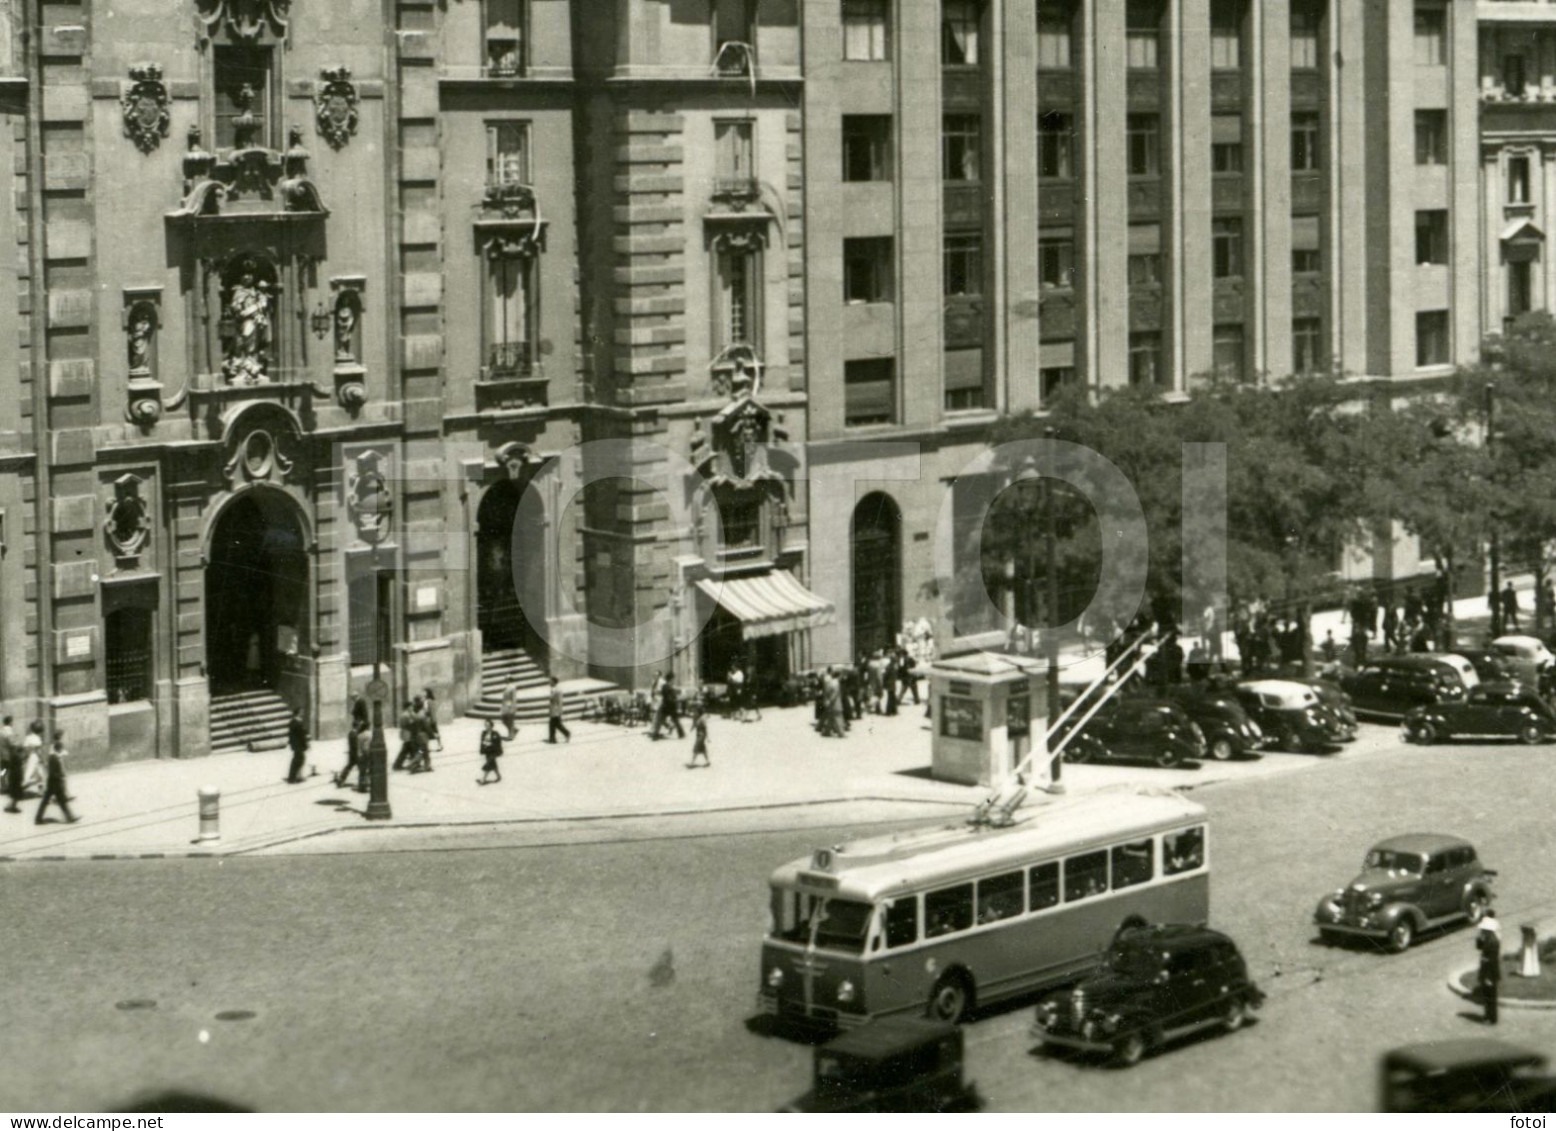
{"x": 1507, "y": 710}
{"x": 1391, "y": 693}
{"x": 1229, "y": 732}
{"x": 1137, "y": 729}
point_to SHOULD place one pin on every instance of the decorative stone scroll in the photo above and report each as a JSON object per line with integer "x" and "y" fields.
{"x": 245, "y": 19}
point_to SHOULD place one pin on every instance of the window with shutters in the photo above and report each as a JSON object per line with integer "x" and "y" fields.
{"x": 507, "y": 153}
{"x": 869, "y": 391}
{"x": 865, "y": 28}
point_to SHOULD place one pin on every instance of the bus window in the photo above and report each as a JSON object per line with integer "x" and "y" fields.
{"x": 1085, "y": 876}
{"x": 1183, "y": 852}
{"x": 792, "y": 913}
{"x": 1045, "y": 886}
{"x": 902, "y": 921}
{"x": 1133, "y": 863}
{"x": 1001, "y": 897}
{"x": 947, "y": 910}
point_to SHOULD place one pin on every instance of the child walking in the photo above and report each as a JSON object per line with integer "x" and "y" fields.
{"x": 699, "y": 740}
{"x": 491, "y": 750}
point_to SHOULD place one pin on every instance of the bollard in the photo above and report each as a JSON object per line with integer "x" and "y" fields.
{"x": 210, "y": 813}
{"x": 1530, "y": 968}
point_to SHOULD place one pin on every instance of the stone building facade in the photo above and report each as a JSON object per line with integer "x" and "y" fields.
{"x": 437, "y": 331}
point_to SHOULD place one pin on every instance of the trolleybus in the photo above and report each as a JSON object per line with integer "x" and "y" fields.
{"x": 942, "y": 919}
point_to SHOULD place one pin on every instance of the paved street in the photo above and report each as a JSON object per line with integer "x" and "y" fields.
{"x": 510, "y": 967}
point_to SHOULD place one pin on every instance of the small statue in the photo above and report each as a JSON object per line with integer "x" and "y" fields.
{"x": 249, "y": 307}
{"x": 140, "y": 342}
{"x": 345, "y": 332}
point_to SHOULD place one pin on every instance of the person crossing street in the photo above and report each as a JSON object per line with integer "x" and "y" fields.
{"x": 556, "y": 707}
{"x": 54, "y": 786}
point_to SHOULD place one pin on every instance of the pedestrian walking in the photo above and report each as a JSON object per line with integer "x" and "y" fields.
{"x": 1329, "y": 649}
{"x": 491, "y": 750}
{"x": 32, "y": 757}
{"x": 699, "y": 739}
{"x": 556, "y": 707}
{"x": 834, "y": 705}
{"x": 433, "y": 733}
{"x": 297, "y": 739}
{"x": 737, "y": 693}
{"x": 15, "y": 765}
{"x": 1509, "y": 607}
{"x": 407, "y": 755}
{"x": 359, "y": 712}
{"x": 1488, "y": 941}
{"x": 667, "y": 711}
{"x": 510, "y": 709}
{"x": 421, "y": 735}
{"x": 354, "y": 754}
{"x": 54, "y": 787}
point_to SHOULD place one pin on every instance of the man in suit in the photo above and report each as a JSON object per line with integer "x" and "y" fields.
{"x": 297, "y": 739}
{"x": 54, "y": 786}
{"x": 1488, "y": 941}
{"x": 555, "y": 710}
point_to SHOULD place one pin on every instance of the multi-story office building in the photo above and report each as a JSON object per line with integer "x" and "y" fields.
{"x": 306, "y": 295}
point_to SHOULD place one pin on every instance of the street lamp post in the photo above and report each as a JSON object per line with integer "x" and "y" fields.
{"x": 377, "y": 749}
{"x": 1051, "y": 635}
{"x": 1495, "y": 600}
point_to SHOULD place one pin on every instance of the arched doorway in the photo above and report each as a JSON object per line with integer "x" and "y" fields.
{"x": 503, "y": 576}
{"x": 877, "y": 570}
{"x": 256, "y": 592}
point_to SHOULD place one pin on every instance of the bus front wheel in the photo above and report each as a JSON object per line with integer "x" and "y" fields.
{"x": 951, "y": 998}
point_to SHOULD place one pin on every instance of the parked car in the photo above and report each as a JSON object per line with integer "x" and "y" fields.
{"x": 1289, "y": 713}
{"x": 1531, "y": 660}
{"x": 891, "y": 1064}
{"x": 1501, "y": 709}
{"x": 1335, "y": 701}
{"x": 1152, "y": 730}
{"x": 1156, "y": 983}
{"x": 1229, "y": 732}
{"x": 1493, "y": 667}
{"x": 1391, "y": 692}
{"x": 1407, "y": 885}
{"x": 1466, "y": 1074}
{"x": 1451, "y": 663}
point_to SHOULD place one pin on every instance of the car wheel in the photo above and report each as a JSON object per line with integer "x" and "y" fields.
{"x": 1401, "y": 935}
{"x": 1475, "y": 907}
{"x": 1077, "y": 752}
{"x": 1221, "y": 749}
{"x": 1167, "y": 759}
{"x": 1234, "y": 1015}
{"x": 1426, "y": 733}
{"x": 950, "y": 999}
{"x": 1129, "y": 1049}
{"x": 1530, "y": 734}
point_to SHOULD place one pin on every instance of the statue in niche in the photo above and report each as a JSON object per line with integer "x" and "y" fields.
{"x": 345, "y": 331}
{"x": 142, "y": 327}
{"x": 248, "y": 309}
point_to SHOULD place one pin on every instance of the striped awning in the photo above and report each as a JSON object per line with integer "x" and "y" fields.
{"x": 770, "y": 604}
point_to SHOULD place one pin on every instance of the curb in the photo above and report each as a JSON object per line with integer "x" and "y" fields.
{"x": 254, "y": 845}
{"x": 1504, "y": 999}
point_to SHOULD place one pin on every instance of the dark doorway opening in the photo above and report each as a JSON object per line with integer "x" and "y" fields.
{"x": 877, "y": 538}
{"x": 256, "y": 592}
{"x": 502, "y": 571}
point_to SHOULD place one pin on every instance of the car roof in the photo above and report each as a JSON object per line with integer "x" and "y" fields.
{"x": 1282, "y": 688}
{"x": 1423, "y": 844}
{"x": 1532, "y": 642}
{"x": 1173, "y": 936}
{"x": 1462, "y": 1052}
{"x": 887, "y": 1036}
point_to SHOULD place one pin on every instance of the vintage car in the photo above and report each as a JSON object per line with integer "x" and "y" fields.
{"x": 1136, "y": 728}
{"x": 1530, "y": 659}
{"x": 1408, "y": 884}
{"x": 1290, "y": 714}
{"x": 1334, "y": 700}
{"x": 1156, "y": 983}
{"x": 1229, "y": 732}
{"x": 1466, "y": 1074}
{"x": 1493, "y": 667}
{"x": 1390, "y": 692}
{"x": 891, "y": 1064}
{"x": 1508, "y": 710}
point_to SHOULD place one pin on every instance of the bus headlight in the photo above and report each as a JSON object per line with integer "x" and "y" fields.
{"x": 845, "y": 992}
{"x": 775, "y": 977}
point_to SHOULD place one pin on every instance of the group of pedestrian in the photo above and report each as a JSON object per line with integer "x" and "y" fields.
{"x": 877, "y": 683}
{"x": 32, "y": 767}
{"x": 418, "y": 731}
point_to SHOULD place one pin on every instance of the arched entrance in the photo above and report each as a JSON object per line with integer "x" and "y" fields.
{"x": 504, "y": 577}
{"x": 256, "y": 592}
{"x": 877, "y": 571}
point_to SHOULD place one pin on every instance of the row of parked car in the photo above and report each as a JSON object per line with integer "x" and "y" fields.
{"x": 1495, "y": 691}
